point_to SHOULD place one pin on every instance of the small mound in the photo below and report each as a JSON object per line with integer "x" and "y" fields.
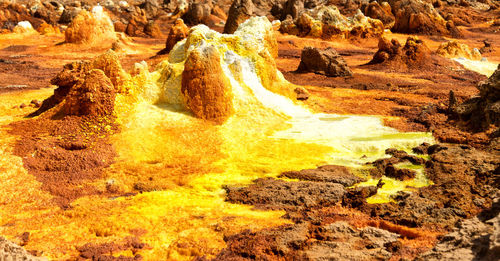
{"x": 178, "y": 32}
{"x": 23, "y": 27}
{"x": 327, "y": 62}
{"x": 94, "y": 96}
{"x": 206, "y": 90}
{"x": 91, "y": 28}
{"x": 454, "y": 49}
{"x": 327, "y": 22}
{"x": 11, "y": 251}
{"x": 414, "y": 54}
{"x": 74, "y": 75}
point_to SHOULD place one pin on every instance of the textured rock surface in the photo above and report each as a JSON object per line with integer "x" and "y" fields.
{"x": 327, "y": 173}
{"x": 327, "y": 62}
{"x": 381, "y": 11}
{"x": 327, "y": 22}
{"x": 205, "y": 88}
{"x": 269, "y": 193}
{"x": 11, "y": 251}
{"x": 454, "y": 49}
{"x": 239, "y": 11}
{"x": 178, "y": 32}
{"x": 419, "y": 17}
{"x": 483, "y": 111}
{"x": 472, "y": 239}
{"x": 91, "y": 28}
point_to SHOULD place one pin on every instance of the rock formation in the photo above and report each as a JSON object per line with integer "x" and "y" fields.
{"x": 484, "y": 110}
{"x": 419, "y": 17}
{"x": 391, "y": 53}
{"x": 178, "y": 32}
{"x": 87, "y": 88}
{"x": 454, "y": 49}
{"x": 11, "y": 251}
{"x": 472, "y": 239}
{"x": 91, "y": 28}
{"x": 93, "y": 96}
{"x": 327, "y": 22}
{"x": 239, "y": 11}
{"x": 327, "y": 62}
{"x": 381, "y": 12}
{"x": 198, "y": 12}
{"x": 205, "y": 88}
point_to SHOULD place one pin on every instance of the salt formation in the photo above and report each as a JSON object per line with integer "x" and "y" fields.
{"x": 454, "y": 49}
{"x": 178, "y": 32}
{"x": 239, "y": 12}
{"x": 23, "y": 27}
{"x": 91, "y": 28}
{"x": 327, "y": 22}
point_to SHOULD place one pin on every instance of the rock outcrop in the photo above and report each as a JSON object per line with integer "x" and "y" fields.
{"x": 205, "y": 88}
{"x": 484, "y": 110}
{"x": 381, "y": 12}
{"x": 11, "y": 251}
{"x": 472, "y": 239}
{"x": 413, "y": 54}
{"x": 327, "y": 22}
{"x": 327, "y": 62}
{"x": 419, "y": 17}
{"x": 87, "y": 88}
{"x": 239, "y": 11}
{"x": 91, "y": 28}
{"x": 454, "y": 49}
{"x": 178, "y": 32}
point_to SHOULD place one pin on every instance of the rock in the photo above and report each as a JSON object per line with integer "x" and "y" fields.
{"x": 75, "y": 73}
{"x": 151, "y": 8}
{"x": 414, "y": 54}
{"x": 94, "y": 96}
{"x": 327, "y": 22}
{"x": 137, "y": 23}
{"x": 486, "y": 48}
{"x": 294, "y": 8}
{"x": 327, "y": 173}
{"x": 23, "y": 27}
{"x": 481, "y": 112}
{"x": 178, "y": 32}
{"x": 454, "y": 49}
{"x": 302, "y": 94}
{"x": 327, "y": 62}
{"x": 11, "y": 251}
{"x": 206, "y": 89}
{"x": 471, "y": 239}
{"x": 153, "y": 29}
{"x": 269, "y": 193}
{"x": 419, "y": 17}
{"x": 91, "y": 28}
{"x": 239, "y": 11}
{"x": 69, "y": 14}
{"x": 381, "y": 12}
{"x": 198, "y": 12}
{"x": 120, "y": 27}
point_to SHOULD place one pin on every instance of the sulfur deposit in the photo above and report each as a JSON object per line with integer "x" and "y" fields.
{"x": 91, "y": 28}
{"x": 327, "y": 22}
{"x": 454, "y": 49}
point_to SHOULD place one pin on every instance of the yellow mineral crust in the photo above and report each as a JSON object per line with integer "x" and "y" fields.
{"x": 180, "y": 162}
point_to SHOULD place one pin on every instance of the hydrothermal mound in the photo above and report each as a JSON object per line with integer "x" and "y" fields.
{"x": 216, "y": 112}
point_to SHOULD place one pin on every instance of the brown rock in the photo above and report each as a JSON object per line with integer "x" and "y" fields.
{"x": 239, "y": 11}
{"x": 152, "y": 29}
{"x": 327, "y": 62}
{"x": 206, "y": 90}
{"x": 178, "y": 32}
{"x": 381, "y": 12}
{"x": 94, "y": 96}
{"x": 198, "y": 12}
{"x": 419, "y": 17}
{"x": 91, "y": 29}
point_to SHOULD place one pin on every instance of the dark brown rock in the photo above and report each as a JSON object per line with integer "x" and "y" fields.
{"x": 239, "y": 11}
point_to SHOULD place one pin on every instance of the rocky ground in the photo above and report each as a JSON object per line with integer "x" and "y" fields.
{"x": 346, "y": 61}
